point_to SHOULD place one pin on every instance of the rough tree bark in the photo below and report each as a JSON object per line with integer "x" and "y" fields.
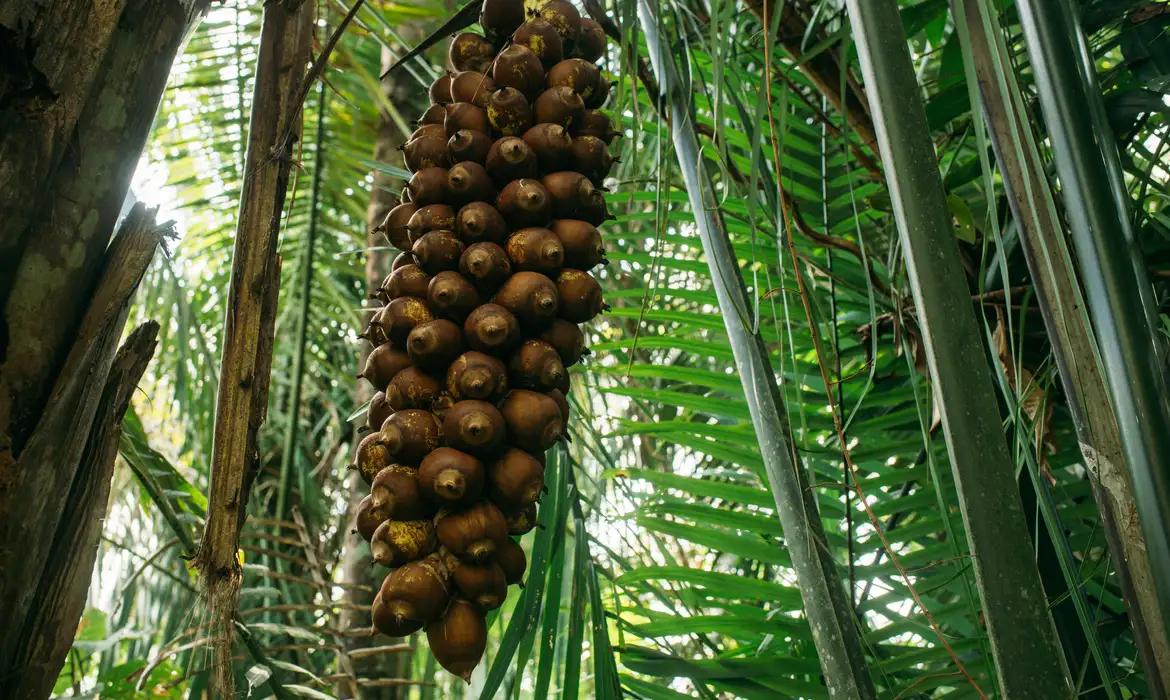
{"x": 52, "y": 56}
{"x": 58, "y": 568}
{"x": 79, "y": 86}
{"x": 356, "y": 566}
{"x": 242, "y": 401}
{"x": 56, "y": 609}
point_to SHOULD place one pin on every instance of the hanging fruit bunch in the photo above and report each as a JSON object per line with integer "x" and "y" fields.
{"x": 479, "y": 318}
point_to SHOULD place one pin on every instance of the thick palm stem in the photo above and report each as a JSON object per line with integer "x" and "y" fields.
{"x": 1114, "y": 288}
{"x": 1074, "y": 346}
{"x": 1023, "y": 638}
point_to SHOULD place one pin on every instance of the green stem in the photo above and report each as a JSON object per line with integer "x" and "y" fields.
{"x": 258, "y": 655}
{"x": 1116, "y": 291}
{"x": 1107, "y": 146}
{"x": 826, "y": 605}
{"x": 1061, "y": 301}
{"x": 1023, "y": 639}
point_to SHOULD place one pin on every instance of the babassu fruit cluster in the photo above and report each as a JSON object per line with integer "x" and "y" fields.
{"x": 480, "y": 317}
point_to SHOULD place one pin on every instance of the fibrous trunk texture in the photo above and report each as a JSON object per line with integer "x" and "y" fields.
{"x": 79, "y": 86}
{"x": 58, "y": 605}
{"x": 242, "y": 402}
{"x": 49, "y": 578}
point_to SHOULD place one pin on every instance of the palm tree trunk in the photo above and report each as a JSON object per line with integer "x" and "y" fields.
{"x": 56, "y": 59}
{"x": 1022, "y": 635}
{"x": 58, "y": 605}
{"x": 285, "y": 40}
{"x": 826, "y": 606}
{"x": 1074, "y": 345}
{"x": 78, "y": 91}
{"x": 90, "y": 413}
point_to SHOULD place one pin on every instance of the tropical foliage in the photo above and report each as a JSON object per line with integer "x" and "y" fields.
{"x": 661, "y": 568}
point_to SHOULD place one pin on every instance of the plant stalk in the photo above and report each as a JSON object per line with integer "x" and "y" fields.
{"x": 827, "y": 608}
{"x": 1115, "y": 290}
{"x": 1074, "y": 346}
{"x": 1028, "y": 657}
{"x": 298, "y": 369}
{"x": 242, "y": 399}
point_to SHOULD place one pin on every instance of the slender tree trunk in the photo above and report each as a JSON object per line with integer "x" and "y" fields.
{"x": 357, "y": 568}
{"x": 242, "y": 402}
{"x": 79, "y": 86}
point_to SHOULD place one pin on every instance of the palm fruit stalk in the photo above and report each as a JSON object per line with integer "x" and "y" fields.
{"x": 480, "y": 317}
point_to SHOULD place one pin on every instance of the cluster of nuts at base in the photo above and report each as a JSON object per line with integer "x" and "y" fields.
{"x": 480, "y": 318}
